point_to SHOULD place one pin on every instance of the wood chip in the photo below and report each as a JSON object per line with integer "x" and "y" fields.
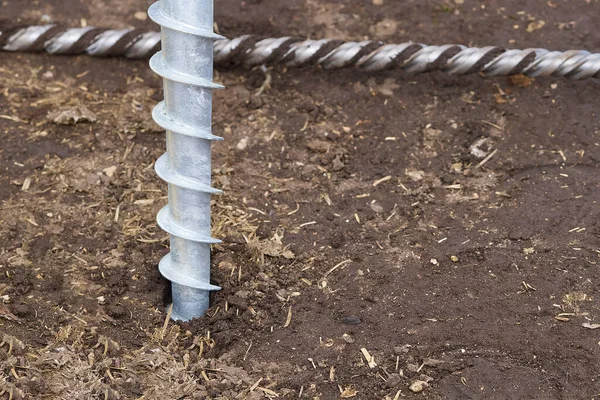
{"x": 203, "y": 373}
{"x": 370, "y": 359}
{"x": 167, "y": 319}
{"x": 268, "y": 392}
{"x": 485, "y": 160}
{"x": 492, "y": 125}
{"x": 26, "y": 184}
{"x": 257, "y": 210}
{"x": 348, "y": 392}
{"x": 143, "y": 202}
{"x": 535, "y": 25}
{"x": 110, "y": 171}
{"x": 295, "y": 211}
{"x": 144, "y": 240}
{"x": 590, "y": 326}
{"x": 253, "y": 387}
{"x": 289, "y": 318}
{"x": 384, "y": 179}
{"x": 336, "y": 267}
{"x": 13, "y": 118}
{"x": 32, "y": 221}
{"x": 306, "y": 281}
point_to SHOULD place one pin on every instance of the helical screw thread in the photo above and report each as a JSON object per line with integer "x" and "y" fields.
{"x": 330, "y": 54}
{"x": 186, "y": 65}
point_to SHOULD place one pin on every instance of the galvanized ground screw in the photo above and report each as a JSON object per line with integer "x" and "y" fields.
{"x": 186, "y": 64}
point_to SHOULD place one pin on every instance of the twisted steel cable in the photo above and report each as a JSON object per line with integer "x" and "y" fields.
{"x": 330, "y": 54}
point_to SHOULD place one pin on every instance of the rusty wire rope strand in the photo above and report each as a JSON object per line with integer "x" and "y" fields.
{"x": 330, "y": 54}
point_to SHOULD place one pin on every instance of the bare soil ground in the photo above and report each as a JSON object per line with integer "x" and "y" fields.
{"x": 366, "y": 245}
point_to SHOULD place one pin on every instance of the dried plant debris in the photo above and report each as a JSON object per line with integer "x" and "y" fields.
{"x": 272, "y": 247}
{"x": 72, "y": 115}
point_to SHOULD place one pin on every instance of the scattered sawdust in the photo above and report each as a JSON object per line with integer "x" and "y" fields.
{"x": 162, "y": 368}
{"x": 573, "y": 301}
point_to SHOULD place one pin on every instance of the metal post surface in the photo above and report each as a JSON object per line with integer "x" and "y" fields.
{"x": 186, "y": 65}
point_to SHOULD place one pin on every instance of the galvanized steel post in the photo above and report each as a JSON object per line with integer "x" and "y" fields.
{"x": 186, "y": 65}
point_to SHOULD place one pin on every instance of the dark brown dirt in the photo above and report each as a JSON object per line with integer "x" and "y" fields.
{"x": 481, "y": 280}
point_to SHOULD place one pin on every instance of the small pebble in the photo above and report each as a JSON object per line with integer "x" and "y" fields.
{"x": 46, "y": 19}
{"x": 242, "y": 144}
{"x": 238, "y": 302}
{"x": 377, "y": 208}
{"x": 351, "y": 320}
{"x": 398, "y": 350}
{"x": 393, "y": 381}
{"x": 116, "y": 311}
{"x": 141, "y": 15}
{"x": 418, "y": 386}
{"x": 347, "y": 338}
{"x": 432, "y": 362}
{"x": 21, "y": 310}
{"x": 412, "y": 367}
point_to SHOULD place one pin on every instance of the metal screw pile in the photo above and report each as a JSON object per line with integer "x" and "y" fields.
{"x": 186, "y": 65}
{"x": 331, "y": 54}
